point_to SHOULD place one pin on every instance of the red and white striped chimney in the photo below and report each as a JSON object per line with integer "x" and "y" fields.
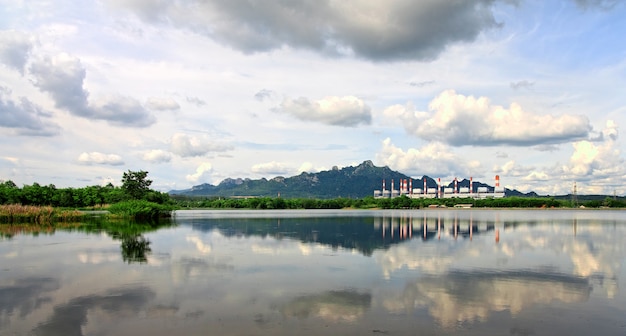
{"x": 439, "y": 186}
{"x": 456, "y": 186}
{"x": 425, "y": 187}
{"x": 471, "y": 185}
{"x": 497, "y": 181}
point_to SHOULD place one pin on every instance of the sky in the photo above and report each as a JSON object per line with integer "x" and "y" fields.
{"x": 196, "y": 91}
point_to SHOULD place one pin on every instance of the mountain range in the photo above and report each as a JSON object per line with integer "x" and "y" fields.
{"x": 347, "y": 182}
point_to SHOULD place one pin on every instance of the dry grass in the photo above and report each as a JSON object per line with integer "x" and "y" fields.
{"x": 17, "y": 213}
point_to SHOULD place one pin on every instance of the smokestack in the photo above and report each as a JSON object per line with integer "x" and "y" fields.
{"x": 383, "y": 185}
{"x": 471, "y": 185}
{"x": 439, "y": 186}
{"x": 425, "y": 187}
{"x": 497, "y": 181}
{"x": 411, "y": 186}
{"x": 456, "y": 186}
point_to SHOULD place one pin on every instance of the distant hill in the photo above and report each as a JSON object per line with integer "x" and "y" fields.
{"x": 347, "y": 182}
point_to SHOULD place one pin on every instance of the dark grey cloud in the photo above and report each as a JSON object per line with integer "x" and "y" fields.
{"x": 15, "y": 48}
{"x": 600, "y": 4}
{"x": 122, "y": 111}
{"x": 375, "y": 30}
{"x": 422, "y": 84}
{"x": 63, "y": 77}
{"x": 196, "y": 101}
{"x": 523, "y": 84}
{"x": 25, "y": 295}
{"x": 337, "y": 111}
{"x": 71, "y": 317}
{"x": 264, "y": 94}
{"x": 24, "y": 116}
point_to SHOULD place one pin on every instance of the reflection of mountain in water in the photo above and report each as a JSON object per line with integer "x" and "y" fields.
{"x": 365, "y": 234}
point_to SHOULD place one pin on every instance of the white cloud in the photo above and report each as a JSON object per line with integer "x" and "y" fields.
{"x": 308, "y": 167}
{"x": 201, "y": 173}
{"x": 590, "y": 160}
{"x": 274, "y": 168}
{"x": 157, "y": 156}
{"x": 460, "y": 120}
{"x": 346, "y": 111}
{"x": 162, "y": 104}
{"x": 599, "y": 161}
{"x": 512, "y": 169}
{"x": 188, "y": 146}
{"x": 100, "y": 158}
{"x": 434, "y": 159}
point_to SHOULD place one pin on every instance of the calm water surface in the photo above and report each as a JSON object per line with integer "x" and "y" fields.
{"x": 428, "y": 272}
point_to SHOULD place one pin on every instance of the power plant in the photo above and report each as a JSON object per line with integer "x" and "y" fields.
{"x": 406, "y": 189}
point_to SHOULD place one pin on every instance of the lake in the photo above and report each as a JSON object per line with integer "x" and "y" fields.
{"x": 339, "y": 272}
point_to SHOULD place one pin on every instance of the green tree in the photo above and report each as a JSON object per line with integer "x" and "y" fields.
{"x": 135, "y": 184}
{"x": 9, "y": 193}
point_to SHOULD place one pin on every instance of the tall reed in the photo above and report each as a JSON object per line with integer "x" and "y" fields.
{"x": 17, "y": 213}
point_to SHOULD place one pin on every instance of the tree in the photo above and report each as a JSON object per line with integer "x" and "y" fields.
{"x": 135, "y": 184}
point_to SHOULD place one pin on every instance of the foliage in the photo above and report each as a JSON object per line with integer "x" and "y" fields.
{"x": 92, "y": 197}
{"x": 347, "y": 182}
{"x": 136, "y": 184}
{"x": 139, "y": 209}
{"x": 370, "y": 202}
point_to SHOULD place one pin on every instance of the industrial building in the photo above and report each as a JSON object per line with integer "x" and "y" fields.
{"x": 406, "y": 188}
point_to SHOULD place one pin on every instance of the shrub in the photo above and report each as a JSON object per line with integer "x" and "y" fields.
{"x": 139, "y": 209}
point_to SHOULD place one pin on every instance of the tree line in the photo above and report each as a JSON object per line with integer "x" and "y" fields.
{"x": 401, "y": 202}
{"x": 135, "y": 186}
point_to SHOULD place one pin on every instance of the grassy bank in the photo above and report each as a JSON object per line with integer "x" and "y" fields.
{"x": 135, "y": 209}
{"x": 16, "y": 213}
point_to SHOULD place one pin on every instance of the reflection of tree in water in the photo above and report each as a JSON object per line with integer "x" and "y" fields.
{"x": 135, "y": 248}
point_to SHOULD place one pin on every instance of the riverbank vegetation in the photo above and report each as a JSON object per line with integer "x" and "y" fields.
{"x": 402, "y": 202}
{"x": 40, "y": 204}
{"x": 134, "y": 199}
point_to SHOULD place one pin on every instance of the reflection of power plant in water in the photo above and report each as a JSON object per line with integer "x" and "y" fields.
{"x": 394, "y": 229}
{"x": 406, "y": 189}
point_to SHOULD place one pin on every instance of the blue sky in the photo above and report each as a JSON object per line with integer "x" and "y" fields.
{"x": 197, "y": 91}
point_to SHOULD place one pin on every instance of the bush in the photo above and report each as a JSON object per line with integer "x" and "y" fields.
{"x": 139, "y": 209}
